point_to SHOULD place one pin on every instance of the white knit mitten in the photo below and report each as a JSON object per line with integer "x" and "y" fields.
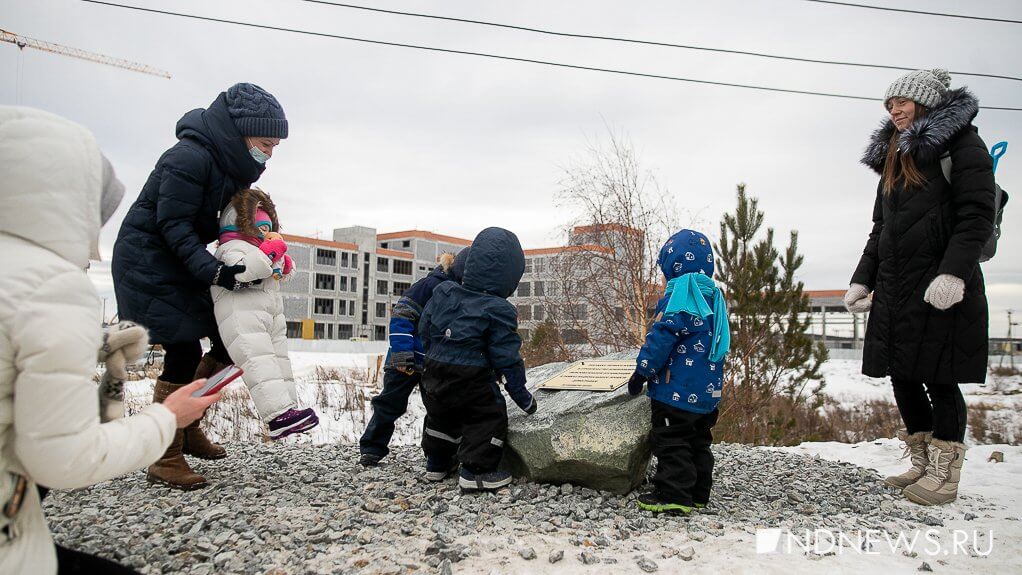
{"x": 123, "y": 343}
{"x": 857, "y": 299}
{"x": 945, "y": 291}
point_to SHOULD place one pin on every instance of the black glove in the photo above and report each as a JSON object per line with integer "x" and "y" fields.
{"x": 403, "y": 361}
{"x": 225, "y": 277}
{"x": 636, "y": 382}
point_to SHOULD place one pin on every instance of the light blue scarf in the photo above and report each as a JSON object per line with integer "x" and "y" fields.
{"x": 688, "y": 294}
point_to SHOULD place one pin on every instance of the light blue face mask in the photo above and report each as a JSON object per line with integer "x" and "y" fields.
{"x": 258, "y": 155}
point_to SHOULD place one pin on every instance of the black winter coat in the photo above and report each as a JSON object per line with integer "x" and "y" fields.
{"x": 162, "y": 271}
{"x": 920, "y": 233}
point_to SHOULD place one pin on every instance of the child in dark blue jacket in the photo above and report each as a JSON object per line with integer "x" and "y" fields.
{"x": 470, "y": 334}
{"x": 403, "y": 366}
{"x": 683, "y": 363}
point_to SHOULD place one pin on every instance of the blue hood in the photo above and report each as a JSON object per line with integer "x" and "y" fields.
{"x": 458, "y": 267}
{"x": 495, "y": 264}
{"x": 214, "y": 129}
{"x": 686, "y": 252}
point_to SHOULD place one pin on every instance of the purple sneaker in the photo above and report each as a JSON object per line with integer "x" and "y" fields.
{"x": 293, "y": 421}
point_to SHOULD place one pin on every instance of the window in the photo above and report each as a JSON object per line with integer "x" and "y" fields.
{"x": 406, "y": 244}
{"x": 326, "y": 257}
{"x": 343, "y": 285}
{"x": 381, "y": 309}
{"x": 344, "y": 259}
{"x": 383, "y": 245}
{"x": 354, "y": 261}
{"x": 422, "y": 268}
{"x": 318, "y": 331}
{"x": 294, "y": 329}
{"x": 400, "y": 287}
{"x": 524, "y": 312}
{"x": 351, "y": 309}
{"x": 528, "y": 265}
{"x": 325, "y": 282}
{"x": 381, "y": 287}
{"x": 403, "y": 267}
{"x": 381, "y": 333}
{"x": 344, "y": 331}
{"x": 538, "y": 312}
{"x": 354, "y": 285}
{"x": 524, "y": 289}
{"x": 382, "y": 265}
{"x": 539, "y": 265}
{"x": 577, "y": 311}
{"x": 573, "y": 336}
{"x": 539, "y": 288}
{"x": 342, "y": 307}
{"x": 323, "y": 306}
{"x": 329, "y": 331}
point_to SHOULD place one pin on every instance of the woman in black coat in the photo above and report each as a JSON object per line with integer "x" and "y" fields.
{"x": 161, "y": 269}
{"x": 927, "y": 328}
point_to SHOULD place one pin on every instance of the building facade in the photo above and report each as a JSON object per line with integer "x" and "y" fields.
{"x": 344, "y": 288}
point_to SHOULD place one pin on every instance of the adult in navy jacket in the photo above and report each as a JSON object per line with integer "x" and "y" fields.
{"x": 162, "y": 271}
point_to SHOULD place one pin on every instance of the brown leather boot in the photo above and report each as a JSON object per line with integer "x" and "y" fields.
{"x": 196, "y": 443}
{"x": 172, "y": 470}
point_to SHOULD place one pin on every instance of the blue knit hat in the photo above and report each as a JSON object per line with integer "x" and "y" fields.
{"x": 256, "y": 112}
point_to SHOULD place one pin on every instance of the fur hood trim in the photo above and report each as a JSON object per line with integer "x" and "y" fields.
{"x": 245, "y": 203}
{"x": 928, "y": 136}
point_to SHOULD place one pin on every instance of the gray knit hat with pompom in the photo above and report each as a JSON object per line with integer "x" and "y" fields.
{"x": 926, "y": 87}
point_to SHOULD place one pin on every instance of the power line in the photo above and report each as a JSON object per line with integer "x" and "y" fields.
{"x": 499, "y": 57}
{"x": 642, "y": 42}
{"x": 889, "y": 9}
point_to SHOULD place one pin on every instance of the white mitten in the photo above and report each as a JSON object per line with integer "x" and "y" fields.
{"x": 945, "y": 291}
{"x": 130, "y": 338}
{"x": 123, "y": 343}
{"x": 857, "y": 299}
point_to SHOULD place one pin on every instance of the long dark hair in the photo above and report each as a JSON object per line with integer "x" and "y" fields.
{"x": 901, "y": 167}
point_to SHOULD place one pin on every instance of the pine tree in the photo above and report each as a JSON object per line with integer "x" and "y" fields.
{"x": 772, "y": 356}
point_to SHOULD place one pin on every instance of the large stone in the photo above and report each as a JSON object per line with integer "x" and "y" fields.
{"x": 594, "y": 439}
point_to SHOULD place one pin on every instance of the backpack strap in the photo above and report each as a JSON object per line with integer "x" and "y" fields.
{"x": 945, "y": 166}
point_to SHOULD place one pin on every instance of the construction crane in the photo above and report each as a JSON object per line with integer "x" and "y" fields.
{"x": 23, "y": 42}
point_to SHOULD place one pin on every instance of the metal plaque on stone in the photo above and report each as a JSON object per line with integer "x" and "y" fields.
{"x": 592, "y": 375}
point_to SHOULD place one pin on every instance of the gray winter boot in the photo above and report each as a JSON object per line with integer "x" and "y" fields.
{"x": 940, "y": 484}
{"x": 915, "y": 449}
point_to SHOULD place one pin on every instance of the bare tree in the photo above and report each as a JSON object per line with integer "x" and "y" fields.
{"x": 607, "y": 280}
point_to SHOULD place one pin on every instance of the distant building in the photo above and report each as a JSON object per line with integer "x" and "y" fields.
{"x": 345, "y": 288}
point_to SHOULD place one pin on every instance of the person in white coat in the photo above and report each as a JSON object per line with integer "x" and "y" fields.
{"x": 56, "y": 190}
{"x": 251, "y": 321}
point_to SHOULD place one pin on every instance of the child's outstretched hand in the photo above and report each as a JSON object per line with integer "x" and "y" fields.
{"x": 636, "y": 383}
{"x": 274, "y": 249}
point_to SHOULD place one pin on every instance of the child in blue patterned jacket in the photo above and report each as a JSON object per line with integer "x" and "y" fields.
{"x": 683, "y": 363}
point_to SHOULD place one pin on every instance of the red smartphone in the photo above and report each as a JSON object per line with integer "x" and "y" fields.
{"x": 219, "y": 380}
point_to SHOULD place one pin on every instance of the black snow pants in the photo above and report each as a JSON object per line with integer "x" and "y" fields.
{"x": 681, "y": 443}
{"x": 466, "y": 415}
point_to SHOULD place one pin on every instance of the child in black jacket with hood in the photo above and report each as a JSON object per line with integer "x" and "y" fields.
{"x": 470, "y": 336}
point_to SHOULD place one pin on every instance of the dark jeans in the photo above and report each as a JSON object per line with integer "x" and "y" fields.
{"x": 466, "y": 415}
{"x": 937, "y": 408}
{"x": 388, "y": 406}
{"x": 681, "y": 443}
{"x": 180, "y": 360}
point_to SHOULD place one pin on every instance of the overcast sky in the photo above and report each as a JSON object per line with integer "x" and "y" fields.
{"x": 396, "y": 138}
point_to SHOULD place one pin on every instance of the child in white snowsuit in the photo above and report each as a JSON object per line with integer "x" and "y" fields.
{"x": 251, "y": 320}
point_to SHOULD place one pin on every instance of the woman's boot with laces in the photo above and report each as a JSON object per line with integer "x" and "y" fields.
{"x": 915, "y": 449}
{"x": 940, "y": 484}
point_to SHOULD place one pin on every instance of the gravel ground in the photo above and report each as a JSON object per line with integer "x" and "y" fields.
{"x": 291, "y": 509}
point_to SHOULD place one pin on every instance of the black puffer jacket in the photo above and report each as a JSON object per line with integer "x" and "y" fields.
{"x": 161, "y": 269}
{"x": 919, "y": 233}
